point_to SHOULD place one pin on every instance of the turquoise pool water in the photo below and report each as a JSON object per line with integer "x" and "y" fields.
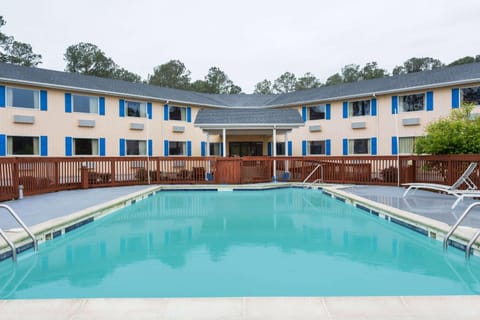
{"x": 285, "y": 242}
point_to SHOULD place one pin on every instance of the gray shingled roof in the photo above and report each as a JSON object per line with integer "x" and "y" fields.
{"x": 71, "y": 81}
{"x": 248, "y": 116}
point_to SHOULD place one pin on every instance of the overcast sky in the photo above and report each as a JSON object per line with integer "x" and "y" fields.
{"x": 250, "y": 40}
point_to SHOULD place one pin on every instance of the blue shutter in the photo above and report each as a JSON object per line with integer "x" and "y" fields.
{"x": 304, "y": 147}
{"x": 102, "y": 147}
{"x": 189, "y": 148}
{"x": 3, "y": 145}
{"x": 394, "y": 104}
{"x": 455, "y": 98}
{"x": 203, "y": 148}
{"x": 43, "y": 100}
{"x": 345, "y": 146}
{"x": 68, "y": 102}
{"x": 394, "y": 145}
{"x": 374, "y": 107}
{"x": 150, "y": 147}
{"x": 43, "y": 146}
{"x": 269, "y": 149}
{"x": 328, "y": 111}
{"x": 221, "y": 149}
{"x": 189, "y": 114}
{"x": 2, "y": 97}
{"x": 165, "y": 112}
{"x": 165, "y": 147}
{"x": 101, "y": 109}
{"x": 430, "y": 101}
{"x": 121, "y": 108}
{"x": 304, "y": 114}
{"x": 345, "y": 109}
{"x": 149, "y": 110}
{"x": 373, "y": 143}
{"x": 68, "y": 146}
{"x": 289, "y": 145}
{"x": 121, "y": 148}
{"x": 328, "y": 147}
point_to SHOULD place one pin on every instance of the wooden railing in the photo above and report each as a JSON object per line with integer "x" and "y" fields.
{"x": 41, "y": 175}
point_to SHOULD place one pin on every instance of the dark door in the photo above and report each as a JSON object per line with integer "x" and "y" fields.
{"x": 245, "y": 149}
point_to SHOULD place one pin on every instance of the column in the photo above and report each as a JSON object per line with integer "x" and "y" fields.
{"x": 224, "y": 132}
{"x": 274, "y": 153}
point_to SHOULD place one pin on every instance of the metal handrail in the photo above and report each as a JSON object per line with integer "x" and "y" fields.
{"x": 455, "y": 226}
{"x": 10, "y": 244}
{"x": 470, "y": 244}
{"x": 313, "y": 171}
{"x": 313, "y": 182}
{"x": 20, "y": 222}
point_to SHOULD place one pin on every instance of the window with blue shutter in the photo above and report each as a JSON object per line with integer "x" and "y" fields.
{"x": 165, "y": 146}
{"x": 328, "y": 111}
{"x": 165, "y": 112}
{"x": 289, "y": 146}
{"x": 102, "y": 147}
{"x": 2, "y": 97}
{"x": 189, "y": 114}
{"x": 68, "y": 146}
{"x": 3, "y": 145}
{"x": 304, "y": 147}
{"x": 394, "y": 104}
{"x": 394, "y": 145}
{"x": 345, "y": 147}
{"x": 68, "y": 102}
{"x": 269, "y": 149}
{"x": 345, "y": 109}
{"x": 221, "y": 149}
{"x": 43, "y": 100}
{"x": 374, "y": 107}
{"x": 121, "y": 108}
{"x": 430, "y": 101}
{"x": 373, "y": 143}
{"x": 43, "y": 146}
{"x": 150, "y": 147}
{"x": 101, "y": 109}
{"x": 304, "y": 114}
{"x": 455, "y": 98}
{"x": 189, "y": 148}
{"x": 121, "y": 147}
{"x": 149, "y": 110}
{"x": 203, "y": 148}
{"x": 328, "y": 146}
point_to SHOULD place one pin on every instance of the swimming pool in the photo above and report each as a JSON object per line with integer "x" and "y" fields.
{"x": 284, "y": 242}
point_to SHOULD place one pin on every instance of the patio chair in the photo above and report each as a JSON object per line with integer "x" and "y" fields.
{"x": 471, "y": 190}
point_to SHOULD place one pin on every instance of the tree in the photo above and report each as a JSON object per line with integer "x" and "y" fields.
{"x": 465, "y": 60}
{"x": 285, "y": 83}
{"x": 334, "y": 79}
{"x": 216, "y": 81}
{"x": 88, "y": 59}
{"x": 351, "y": 73}
{"x": 418, "y": 64}
{"x": 459, "y": 133}
{"x": 263, "y": 87}
{"x": 172, "y": 74}
{"x": 372, "y": 71}
{"x": 308, "y": 81}
{"x": 15, "y": 52}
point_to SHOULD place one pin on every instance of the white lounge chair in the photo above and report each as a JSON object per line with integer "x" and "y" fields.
{"x": 471, "y": 190}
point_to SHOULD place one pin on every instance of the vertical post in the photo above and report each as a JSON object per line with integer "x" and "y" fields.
{"x": 84, "y": 177}
{"x": 15, "y": 178}
{"x": 286, "y": 152}
{"x": 208, "y": 174}
{"x": 56, "y": 175}
{"x": 274, "y": 149}
{"x": 112, "y": 171}
{"x": 224, "y": 133}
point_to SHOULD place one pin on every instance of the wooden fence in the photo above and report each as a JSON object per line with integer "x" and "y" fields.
{"x": 40, "y": 175}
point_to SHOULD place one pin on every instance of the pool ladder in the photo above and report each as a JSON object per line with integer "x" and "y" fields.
{"x": 457, "y": 224}
{"x": 27, "y": 230}
{"x": 304, "y": 183}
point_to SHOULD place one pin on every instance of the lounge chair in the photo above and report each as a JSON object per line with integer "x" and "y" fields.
{"x": 471, "y": 190}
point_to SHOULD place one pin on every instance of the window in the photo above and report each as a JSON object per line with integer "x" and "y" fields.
{"x": 177, "y": 113}
{"x": 280, "y": 149}
{"x": 136, "y": 109}
{"x": 85, "y": 104}
{"x": 22, "y": 145}
{"x": 85, "y": 147}
{"x": 359, "y": 108}
{"x": 470, "y": 95}
{"x": 136, "y": 148}
{"x": 215, "y": 148}
{"x": 316, "y": 147}
{"x": 317, "y": 112}
{"x": 23, "y": 98}
{"x": 406, "y": 145}
{"x": 412, "y": 102}
{"x": 359, "y": 146}
{"x": 178, "y": 148}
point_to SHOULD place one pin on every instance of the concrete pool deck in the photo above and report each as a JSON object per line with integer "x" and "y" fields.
{"x": 43, "y": 209}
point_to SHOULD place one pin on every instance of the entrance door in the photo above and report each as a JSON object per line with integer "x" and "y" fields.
{"x": 245, "y": 149}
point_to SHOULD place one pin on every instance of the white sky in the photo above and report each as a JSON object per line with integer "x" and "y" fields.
{"x": 250, "y": 40}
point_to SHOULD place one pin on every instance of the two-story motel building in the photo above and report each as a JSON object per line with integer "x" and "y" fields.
{"x": 52, "y": 113}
